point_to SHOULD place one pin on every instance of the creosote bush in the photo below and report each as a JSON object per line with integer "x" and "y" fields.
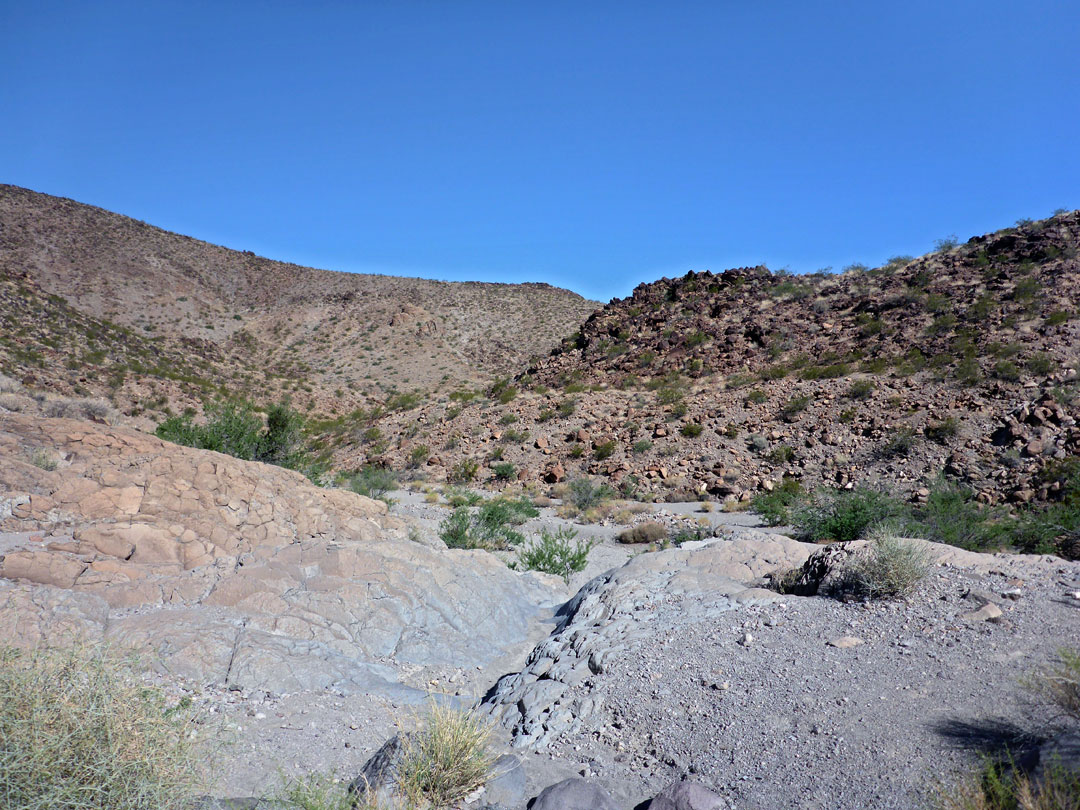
{"x": 843, "y": 515}
{"x": 79, "y": 730}
{"x": 556, "y": 553}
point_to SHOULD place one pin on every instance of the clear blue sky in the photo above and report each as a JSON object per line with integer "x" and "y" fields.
{"x": 593, "y": 145}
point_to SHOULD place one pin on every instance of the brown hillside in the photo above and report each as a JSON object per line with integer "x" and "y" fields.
{"x": 963, "y": 360}
{"x": 334, "y": 341}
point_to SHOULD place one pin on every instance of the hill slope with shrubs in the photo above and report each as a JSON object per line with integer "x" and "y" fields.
{"x": 332, "y": 341}
{"x": 962, "y": 361}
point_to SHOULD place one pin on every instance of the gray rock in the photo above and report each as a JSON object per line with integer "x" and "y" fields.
{"x": 506, "y": 787}
{"x": 573, "y": 794}
{"x": 687, "y": 795}
{"x": 379, "y": 774}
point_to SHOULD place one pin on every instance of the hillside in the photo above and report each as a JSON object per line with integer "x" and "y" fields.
{"x": 92, "y": 285}
{"x": 963, "y": 360}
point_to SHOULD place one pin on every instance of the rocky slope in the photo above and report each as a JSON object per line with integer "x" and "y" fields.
{"x": 964, "y": 360}
{"x": 114, "y": 306}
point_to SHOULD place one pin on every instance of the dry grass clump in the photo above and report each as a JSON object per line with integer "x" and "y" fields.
{"x": 892, "y": 569}
{"x": 94, "y": 410}
{"x": 446, "y": 759}
{"x": 78, "y": 730}
{"x": 996, "y": 787}
{"x": 1059, "y": 683}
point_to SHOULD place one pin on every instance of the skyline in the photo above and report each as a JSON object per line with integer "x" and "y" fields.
{"x": 590, "y": 147}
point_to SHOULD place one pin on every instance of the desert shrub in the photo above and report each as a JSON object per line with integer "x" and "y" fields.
{"x": 757, "y": 396}
{"x": 404, "y": 401}
{"x": 999, "y": 785}
{"x": 466, "y": 530}
{"x": 555, "y": 553}
{"x": 455, "y": 496}
{"x": 644, "y": 533}
{"x": 861, "y": 389}
{"x": 642, "y": 446}
{"x": 900, "y": 442}
{"x": 604, "y": 449}
{"x": 1058, "y": 317}
{"x": 446, "y": 759}
{"x": 464, "y": 471}
{"x": 44, "y": 459}
{"x": 774, "y": 507}
{"x": 236, "y": 429}
{"x": 419, "y": 455}
{"x": 892, "y": 568}
{"x": 316, "y": 792}
{"x": 566, "y": 407}
{"x": 686, "y": 534}
{"x": 731, "y": 430}
{"x": 782, "y": 454}
{"x": 1040, "y": 363}
{"x": 508, "y": 419}
{"x": 793, "y": 406}
{"x": 78, "y": 729}
{"x": 948, "y": 243}
{"x": 1058, "y": 684}
{"x": 513, "y": 511}
{"x": 691, "y": 431}
{"x": 843, "y": 515}
{"x": 577, "y": 451}
{"x": 952, "y": 516}
{"x": 774, "y": 372}
{"x": 372, "y": 481}
{"x": 504, "y": 392}
{"x": 942, "y": 431}
{"x": 1007, "y": 370}
{"x": 585, "y": 493}
{"x": 759, "y": 443}
{"x": 504, "y": 470}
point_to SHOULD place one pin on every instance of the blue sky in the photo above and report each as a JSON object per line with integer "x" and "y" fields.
{"x": 592, "y": 145}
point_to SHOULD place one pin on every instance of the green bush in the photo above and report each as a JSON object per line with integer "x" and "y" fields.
{"x": 691, "y": 431}
{"x": 585, "y": 494}
{"x": 861, "y": 389}
{"x": 504, "y": 470}
{"x": 900, "y": 442}
{"x": 604, "y": 450}
{"x": 456, "y": 497}
{"x": 372, "y": 481}
{"x": 419, "y": 455}
{"x": 236, "y": 429}
{"x": 78, "y": 729}
{"x": 843, "y": 515}
{"x": 793, "y": 406}
{"x": 774, "y": 507}
{"x": 446, "y": 759}
{"x": 782, "y": 454}
{"x": 952, "y": 516}
{"x": 464, "y": 471}
{"x": 556, "y": 554}
{"x": 489, "y": 527}
{"x": 642, "y": 446}
{"x": 942, "y": 431}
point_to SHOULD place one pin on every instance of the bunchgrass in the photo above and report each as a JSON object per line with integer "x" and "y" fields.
{"x": 78, "y": 730}
{"x": 892, "y": 568}
{"x": 445, "y": 759}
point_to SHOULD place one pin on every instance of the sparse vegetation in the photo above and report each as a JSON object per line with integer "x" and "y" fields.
{"x": 775, "y": 507}
{"x": 372, "y": 481}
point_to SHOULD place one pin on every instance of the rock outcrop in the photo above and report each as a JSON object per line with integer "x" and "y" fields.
{"x": 237, "y": 572}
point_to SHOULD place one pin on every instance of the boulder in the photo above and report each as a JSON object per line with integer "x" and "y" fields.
{"x": 573, "y": 794}
{"x": 687, "y": 795}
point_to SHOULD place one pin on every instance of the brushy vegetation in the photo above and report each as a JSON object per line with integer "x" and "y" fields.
{"x": 774, "y": 507}
{"x": 999, "y": 783}
{"x": 843, "y": 515}
{"x": 79, "y": 730}
{"x": 556, "y": 553}
{"x": 372, "y": 481}
{"x": 237, "y": 429}
{"x": 489, "y": 527}
{"x": 585, "y": 494}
